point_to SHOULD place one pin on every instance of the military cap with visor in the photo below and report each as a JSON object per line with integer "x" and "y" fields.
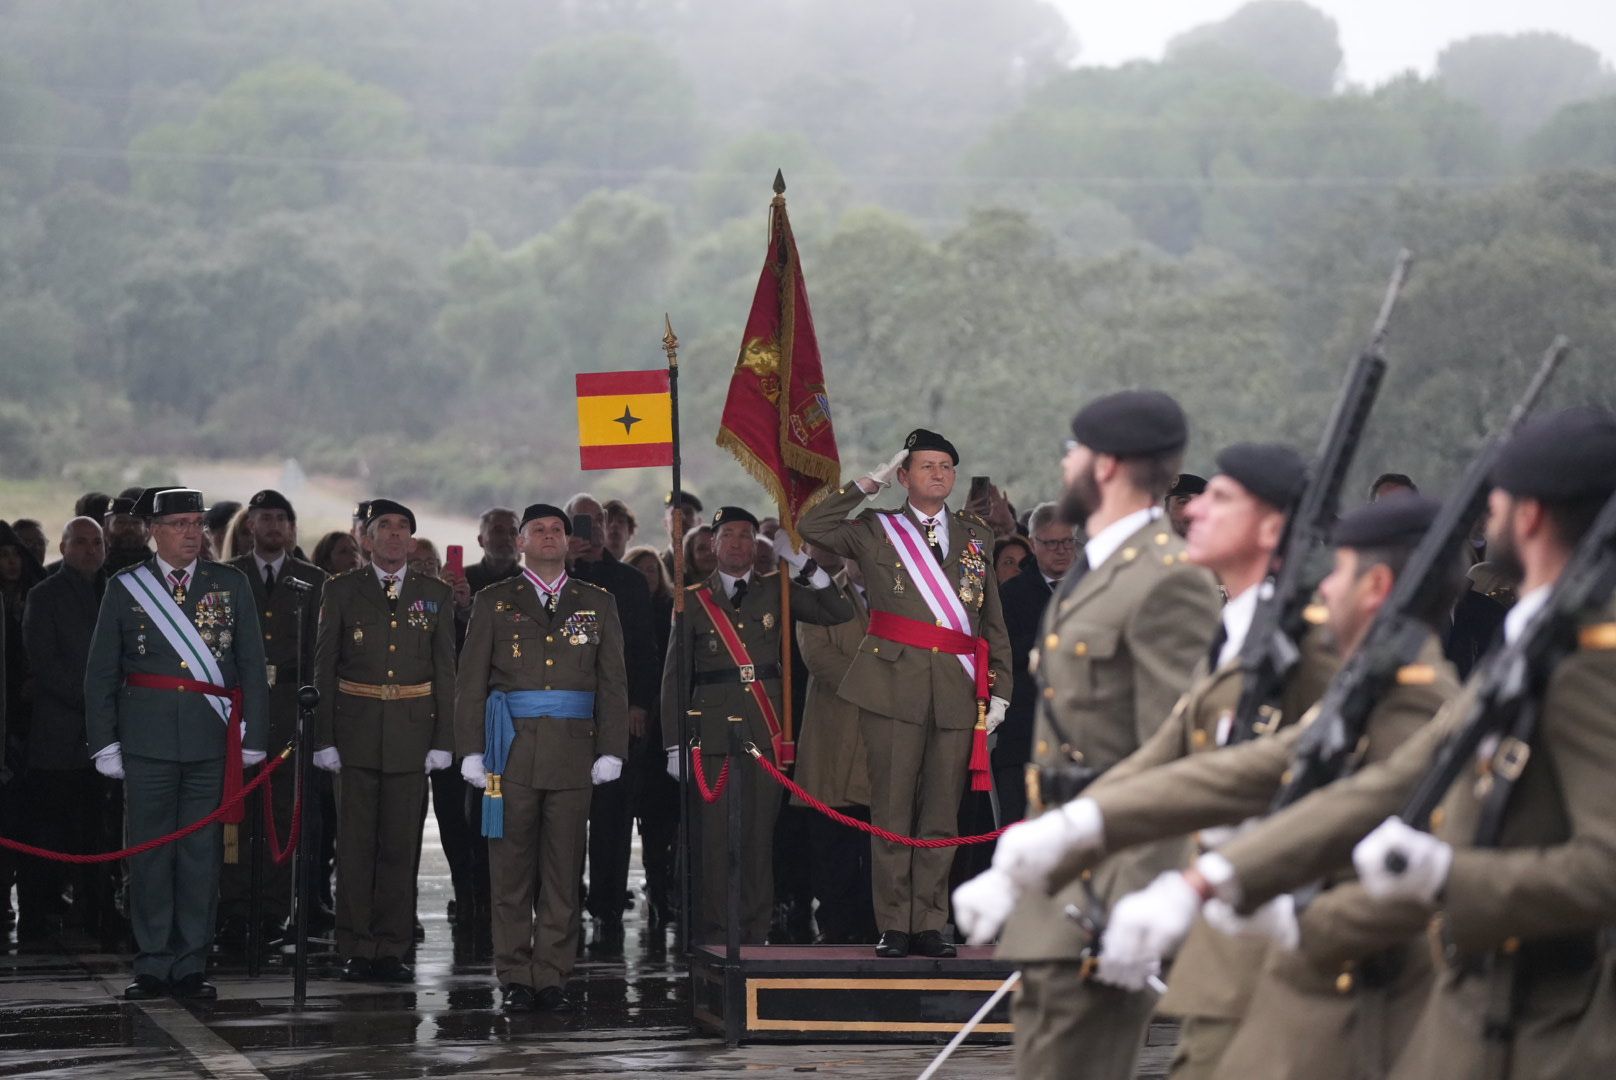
{"x": 177, "y": 501}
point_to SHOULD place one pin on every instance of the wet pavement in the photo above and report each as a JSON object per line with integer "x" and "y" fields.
{"x": 60, "y": 1016}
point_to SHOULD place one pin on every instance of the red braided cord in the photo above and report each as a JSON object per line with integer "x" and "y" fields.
{"x": 709, "y": 795}
{"x": 157, "y": 842}
{"x": 863, "y": 826}
{"x": 276, "y": 852}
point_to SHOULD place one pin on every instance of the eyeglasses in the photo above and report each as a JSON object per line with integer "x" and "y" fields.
{"x": 1062, "y": 544}
{"x": 1068, "y": 445}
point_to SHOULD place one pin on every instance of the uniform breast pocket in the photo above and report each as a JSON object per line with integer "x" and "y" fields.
{"x": 360, "y": 636}
{"x": 1086, "y": 658}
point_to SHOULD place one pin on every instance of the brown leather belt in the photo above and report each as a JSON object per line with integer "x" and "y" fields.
{"x": 385, "y": 691}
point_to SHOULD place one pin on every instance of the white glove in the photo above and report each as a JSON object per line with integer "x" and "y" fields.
{"x": 472, "y": 771}
{"x": 1275, "y": 921}
{"x": 788, "y": 554}
{"x": 1428, "y": 859}
{"x": 1029, "y": 850}
{"x": 881, "y": 476}
{"x": 996, "y": 711}
{"x": 438, "y": 759}
{"x": 607, "y": 767}
{"x": 1144, "y": 927}
{"x": 676, "y": 763}
{"x": 328, "y": 759}
{"x": 982, "y": 905}
{"x": 250, "y": 758}
{"x": 109, "y": 761}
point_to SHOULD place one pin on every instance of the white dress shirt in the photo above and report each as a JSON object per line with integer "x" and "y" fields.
{"x": 1104, "y": 544}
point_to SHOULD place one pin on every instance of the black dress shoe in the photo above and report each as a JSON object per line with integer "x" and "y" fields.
{"x": 551, "y": 999}
{"x": 391, "y": 969}
{"x": 145, "y": 988}
{"x": 194, "y": 987}
{"x": 356, "y": 970}
{"x": 893, "y": 944}
{"x": 518, "y": 998}
{"x": 930, "y": 943}
{"x": 608, "y": 938}
{"x": 420, "y": 931}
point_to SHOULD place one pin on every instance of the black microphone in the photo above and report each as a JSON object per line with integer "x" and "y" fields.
{"x": 295, "y": 584}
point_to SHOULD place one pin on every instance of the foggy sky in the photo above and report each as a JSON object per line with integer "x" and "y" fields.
{"x": 1380, "y": 37}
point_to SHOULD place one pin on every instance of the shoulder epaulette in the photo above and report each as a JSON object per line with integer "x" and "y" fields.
{"x": 697, "y": 585}
{"x": 1416, "y": 675}
{"x": 590, "y": 585}
{"x": 347, "y": 574}
{"x": 974, "y": 519}
{"x": 1598, "y": 637}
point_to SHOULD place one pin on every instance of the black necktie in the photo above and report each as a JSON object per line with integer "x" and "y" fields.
{"x": 269, "y": 577}
{"x": 740, "y": 592}
{"x": 1219, "y": 639}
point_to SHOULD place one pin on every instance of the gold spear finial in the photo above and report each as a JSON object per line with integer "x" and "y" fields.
{"x": 779, "y": 182}
{"x": 670, "y": 341}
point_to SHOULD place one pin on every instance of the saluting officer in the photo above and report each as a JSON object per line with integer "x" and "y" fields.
{"x": 935, "y": 623}
{"x": 175, "y": 699}
{"x": 270, "y": 568}
{"x": 541, "y": 715}
{"x": 384, "y": 664}
{"x": 734, "y": 668}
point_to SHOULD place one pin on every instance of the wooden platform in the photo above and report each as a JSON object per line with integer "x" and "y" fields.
{"x": 835, "y": 993}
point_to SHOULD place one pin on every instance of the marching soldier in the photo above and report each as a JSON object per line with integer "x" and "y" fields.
{"x": 1519, "y": 913}
{"x": 734, "y": 666}
{"x": 541, "y": 716}
{"x": 175, "y": 700}
{"x": 272, "y": 569}
{"x": 1121, "y": 642}
{"x": 936, "y": 645}
{"x": 384, "y": 663}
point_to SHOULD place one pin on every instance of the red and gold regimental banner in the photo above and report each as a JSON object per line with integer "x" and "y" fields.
{"x": 625, "y": 419}
{"x": 777, "y": 417}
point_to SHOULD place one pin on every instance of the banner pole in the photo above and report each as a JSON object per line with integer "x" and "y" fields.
{"x": 681, "y": 646}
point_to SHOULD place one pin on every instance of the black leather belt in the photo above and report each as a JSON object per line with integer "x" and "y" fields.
{"x": 736, "y": 676}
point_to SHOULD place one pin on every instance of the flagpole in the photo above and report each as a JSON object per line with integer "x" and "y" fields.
{"x": 681, "y": 646}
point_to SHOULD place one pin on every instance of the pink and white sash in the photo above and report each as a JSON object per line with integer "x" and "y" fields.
{"x": 916, "y": 556}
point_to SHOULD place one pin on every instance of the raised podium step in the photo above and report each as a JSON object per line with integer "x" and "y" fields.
{"x": 829, "y": 993}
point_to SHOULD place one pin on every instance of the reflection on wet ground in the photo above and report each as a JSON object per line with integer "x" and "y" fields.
{"x": 60, "y": 1017}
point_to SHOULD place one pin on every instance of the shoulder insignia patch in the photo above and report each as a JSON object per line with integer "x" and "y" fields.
{"x": 1600, "y": 637}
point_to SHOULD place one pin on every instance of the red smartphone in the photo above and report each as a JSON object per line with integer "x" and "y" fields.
{"x": 456, "y": 561}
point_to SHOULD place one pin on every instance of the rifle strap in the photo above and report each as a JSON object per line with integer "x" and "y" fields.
{"x": 1504, "y": 770}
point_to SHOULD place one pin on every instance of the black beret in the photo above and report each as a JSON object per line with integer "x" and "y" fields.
{"x": 1188, "y": 484}
{"x": 361, "y": 510}
{"x": 1273, "y": 472}
{"x": 1132, "y": 423}
{"x": 220, "y": 513}
{"x": 686, "y": 499}
{"x": 544, "y": 510}
{"x": 117, "y": 504}
{"x": 177, "y": 501}
{"x": 726, "y": 514}
{"x": 1563, "y": 457}
{"x": 1398, "y": 520}
{"x": 143, "y": 505}
{"x": 376, "y": 508}
{"x": 270, "y": 499}
{"x": 921, "y": 439}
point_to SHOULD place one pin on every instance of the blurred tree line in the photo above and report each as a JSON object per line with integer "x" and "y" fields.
{"x": 381, "y": 235}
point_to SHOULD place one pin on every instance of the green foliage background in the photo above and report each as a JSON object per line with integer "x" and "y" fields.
{"x": 381, "y": 235}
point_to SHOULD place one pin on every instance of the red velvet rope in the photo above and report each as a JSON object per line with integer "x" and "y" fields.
{"x": 272, "y": 837}
{"x": 709, "y": 795}
{"x": 863, "y": 826}
{"x": 179, "y": 834}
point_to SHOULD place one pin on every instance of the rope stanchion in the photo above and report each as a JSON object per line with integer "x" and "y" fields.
{"x": 862, "y": 826}
{"x": 224, "y": 808}
{"x": 708, "y": 795}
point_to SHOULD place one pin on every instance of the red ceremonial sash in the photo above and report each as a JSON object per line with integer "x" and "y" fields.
{"x": 920, "y": 635}
{"x": 743, "y": 660}
{"x": 232, "y": 738}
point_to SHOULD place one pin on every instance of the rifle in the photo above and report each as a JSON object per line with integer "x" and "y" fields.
{"x": 1324, "y": 753}
{"x": 1512, "y": 678}
{"x": 1271, "y": 651}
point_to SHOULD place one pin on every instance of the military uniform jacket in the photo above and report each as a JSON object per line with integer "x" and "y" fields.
{"x": 513, "y": 643}
{"x": 277, "y": 615}
{"x": 901, "y": 681}
{"x": 1116, "y": 652}
{"x": 757, "y": 622}
{"x": 168, "y": 725}
{"x": 830, "y": 750}
{"x": 1539, "y": 897}
{"x": 364, "y": 640}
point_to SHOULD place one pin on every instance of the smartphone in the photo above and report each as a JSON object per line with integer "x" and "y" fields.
{"x": 455, "y": 560}
{"x": 583, "y": 528}
{"x": 981, "y": 487}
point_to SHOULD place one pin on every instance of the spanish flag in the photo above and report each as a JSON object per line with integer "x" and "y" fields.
{"x": 625, "y": 419}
